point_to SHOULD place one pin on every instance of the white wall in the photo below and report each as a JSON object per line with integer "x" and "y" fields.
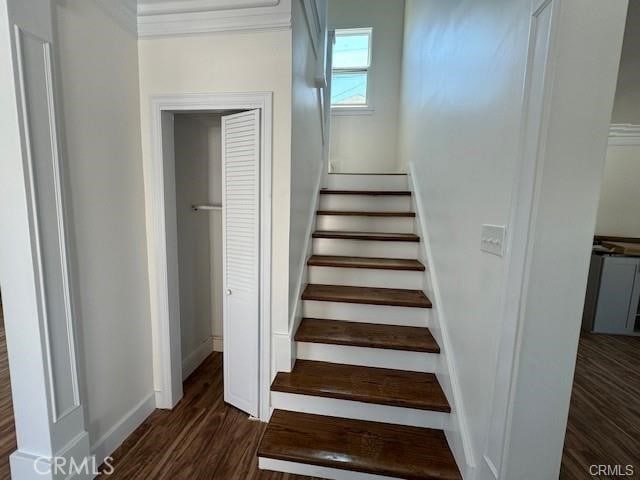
{"x": 98, "y": 66}
{"x": 463, "y": 72}
{"x": 369, "y": 143}
{"x": 306, "y": 154}
{"x": 620, "y": 195}
{"x": 232, "y": 62}
{"x": 462, "y": 81}
{"x": 198, "y": 181}
{"x": 626, "y": 108}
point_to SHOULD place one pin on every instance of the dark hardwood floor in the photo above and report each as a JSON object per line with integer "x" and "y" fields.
{"x": 604, "y": 418}
{"x": 202, "y": 438}
{"x": 7, "y": 427}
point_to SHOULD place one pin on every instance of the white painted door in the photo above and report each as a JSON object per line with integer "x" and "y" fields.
{"x": 241, "y": 245}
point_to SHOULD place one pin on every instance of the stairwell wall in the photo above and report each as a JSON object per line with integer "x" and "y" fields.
{"x": 308, "y": 154}
{"x": 463, "y": 67}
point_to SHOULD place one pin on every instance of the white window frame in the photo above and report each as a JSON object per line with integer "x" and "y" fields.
{"x": 354, "y": 109}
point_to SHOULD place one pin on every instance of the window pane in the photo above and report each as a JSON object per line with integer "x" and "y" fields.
{"x": 351, "y": 51}
{"x": 349, "y": 89}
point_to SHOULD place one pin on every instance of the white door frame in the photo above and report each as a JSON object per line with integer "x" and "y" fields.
{"x": 162, "y": 248}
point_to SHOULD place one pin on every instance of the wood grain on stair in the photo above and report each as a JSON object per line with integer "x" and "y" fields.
{"x": 370, "y": 447}
{"x": 367, "y": 295}
{"x": 371, "y": 335}
{"x": 382, "y": 237}
{"x": 373, "y": 193}
{"x": 398, "y": 388}
{"x": 358, "y": 213}
{"x": 365, "y": 262}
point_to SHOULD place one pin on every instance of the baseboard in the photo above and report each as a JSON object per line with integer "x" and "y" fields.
{"x": 218, "y": 344}
{"x": 195, "y": 358}
{"x": 314, "y": 471}
{"x": 284, "y": 343}
{"x": 28, "y": 466}
{"x": 457, "y": 431}
{"x": 111, "y": 440}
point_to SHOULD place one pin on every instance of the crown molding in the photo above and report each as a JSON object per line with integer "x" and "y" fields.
{"x": 124, "y": 12}
{"x": 205, "y": 16}
{"x": 192, "y": 6}
{"x": 624, "y": 134}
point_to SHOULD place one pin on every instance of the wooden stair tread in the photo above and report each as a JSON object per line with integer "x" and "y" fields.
{"x": 382, "y": 386}
{"x": 384, "y": 237}
{"x": 373, "y": 193}
{"x": 371, "y": 335}
{"x": 357, "y": 445}
{"x": 365, "y": 262}
{"x": 367, "y": 295}
{"x": 358, "y": 213}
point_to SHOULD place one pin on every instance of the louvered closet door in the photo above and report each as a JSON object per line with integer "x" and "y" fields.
{"x": 241, "y": 243}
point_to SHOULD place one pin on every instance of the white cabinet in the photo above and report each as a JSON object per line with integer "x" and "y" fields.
{"x": 613, "y": 295}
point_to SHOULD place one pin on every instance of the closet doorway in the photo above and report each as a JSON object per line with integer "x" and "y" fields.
{"x": 209, "y": 217}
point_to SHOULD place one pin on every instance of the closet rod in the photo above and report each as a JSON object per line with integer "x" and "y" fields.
{"x": 205, "y": 206}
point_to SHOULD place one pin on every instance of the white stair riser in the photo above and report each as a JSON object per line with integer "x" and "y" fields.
{"x": 338, "y": 181}
{"x": 362, "y": 203}
{"x": 368, "y": 357}
{"x": 357, "y": 312}
{"x": 334, "y": 407}
{"x": 365, "y": 277}
{"x": 314, "y": 471}
{"x": 365, "y": 224}
{"x": 365, "y": 248}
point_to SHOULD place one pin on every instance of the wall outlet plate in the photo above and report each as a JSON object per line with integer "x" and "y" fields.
{"x": 492, "y": 239}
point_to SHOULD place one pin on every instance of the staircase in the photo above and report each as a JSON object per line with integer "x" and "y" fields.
{"x": 362, "y": 401}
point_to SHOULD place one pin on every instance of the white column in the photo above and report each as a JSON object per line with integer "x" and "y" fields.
{"x": 38, "y": 306}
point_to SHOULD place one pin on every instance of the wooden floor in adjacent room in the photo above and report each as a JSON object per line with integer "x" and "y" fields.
{"x": 201, "y": 439}
{"x": 7, "y": 427}
{"x": 604, "y": 418}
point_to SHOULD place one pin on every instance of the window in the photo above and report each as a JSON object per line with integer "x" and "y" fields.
{"x": 350, "y": 69}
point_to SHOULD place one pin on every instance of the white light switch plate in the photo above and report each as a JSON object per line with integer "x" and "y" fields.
{"x": 492, "y": 239}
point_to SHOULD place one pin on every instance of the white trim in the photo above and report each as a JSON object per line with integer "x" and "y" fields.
{"x": 28, "y": 466}
{"x": 624, "y": 134}
{"x": 457, "y": 431}
{"x": 217, "y": 343}
{"x": 351, "y": 110}
{"x": 57, "y": 415}
{"x": 168, "y": 356}
{"x": 123, "y": 12}
{"x": 315, "y": 471}
{"x": 116, "y": 435}
{"x": 314, "y": 25}
{"x": 206, "y": 16}
{"x": 196, "y": 6}
{"x": 285, "y": 340}
{"x": 372, "y": 412}
{"x": 195, "y": 358}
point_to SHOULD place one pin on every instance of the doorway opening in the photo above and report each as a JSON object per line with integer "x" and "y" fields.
{"x": 198, "y": 181}
{"x": 209, "y": 212}
{"x": 7, "y": 425}
{"x": 604, "y": 421}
